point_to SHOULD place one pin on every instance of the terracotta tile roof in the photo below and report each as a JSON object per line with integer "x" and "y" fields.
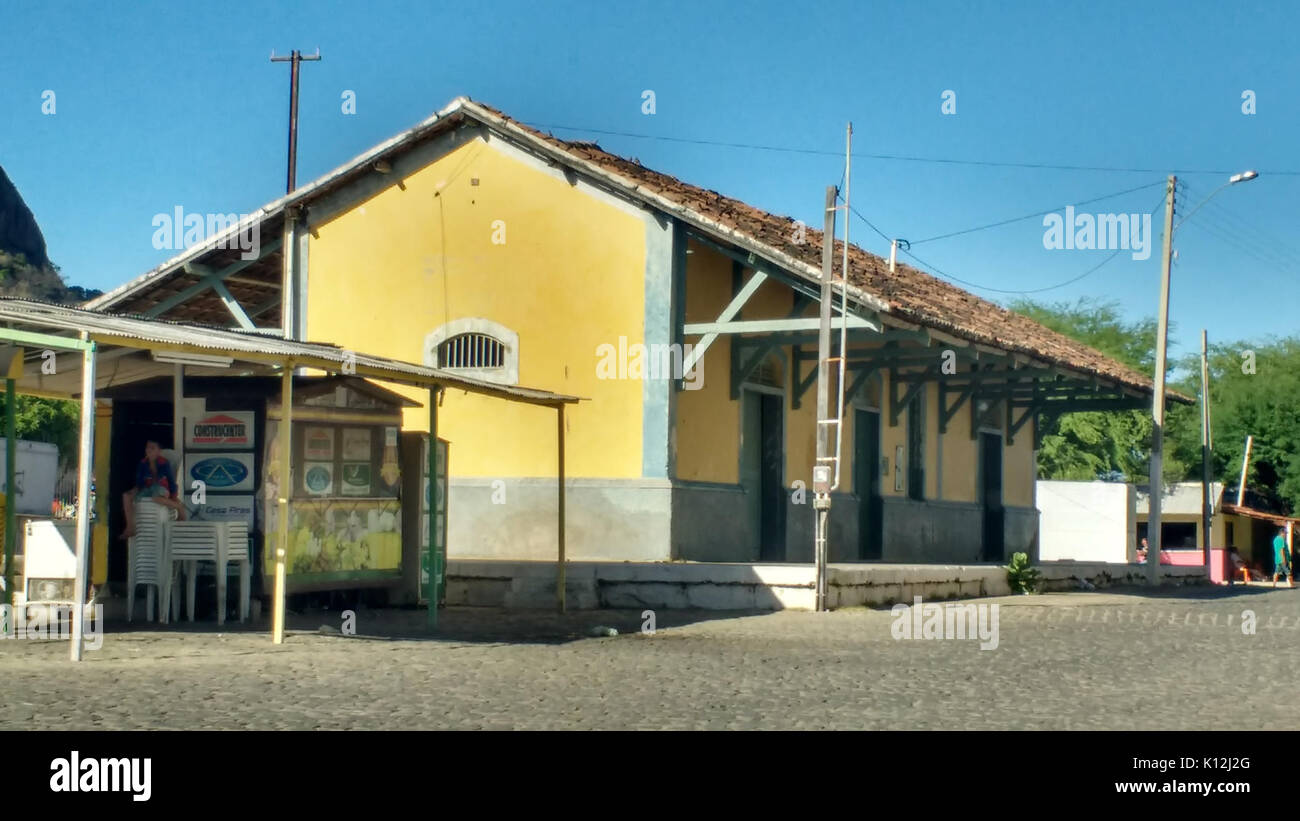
{"x": 911, "y": 294}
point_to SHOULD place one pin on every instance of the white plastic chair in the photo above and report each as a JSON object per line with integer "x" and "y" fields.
{"x": 234, "y": 550}
{"x": 147, "y": 562}
{"x": 189, "y": 543}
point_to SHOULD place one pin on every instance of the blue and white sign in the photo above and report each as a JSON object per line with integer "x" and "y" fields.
{"x": 225, "y": 509}
{"x": 221, "y": 471}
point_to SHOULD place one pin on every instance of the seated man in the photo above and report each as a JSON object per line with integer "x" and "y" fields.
{"x": 154, "y": 479}
{"x": 1237, "y": 566}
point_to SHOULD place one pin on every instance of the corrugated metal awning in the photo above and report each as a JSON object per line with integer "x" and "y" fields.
{"x": 120, "y": 337}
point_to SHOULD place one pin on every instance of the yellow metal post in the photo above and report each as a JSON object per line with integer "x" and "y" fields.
{"x": 559, "y": 583}
{"x": 286, "y": 493}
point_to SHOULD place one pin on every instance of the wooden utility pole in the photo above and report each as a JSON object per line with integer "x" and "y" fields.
{"x": 1245, "y": 469}
{"x": 295, "y": 57}
{"x": 1158, "y": 401}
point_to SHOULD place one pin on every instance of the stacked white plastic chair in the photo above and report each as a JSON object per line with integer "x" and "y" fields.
{"x": 234, "y": 550}
{"x": 189, "y": 543}
{"x": 147, "y": 561}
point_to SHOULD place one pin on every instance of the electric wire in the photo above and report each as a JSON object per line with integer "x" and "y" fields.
{"x": 1000, "y": 223}
{"x": 895, "y": 157}
{"x": 940, "y": 272}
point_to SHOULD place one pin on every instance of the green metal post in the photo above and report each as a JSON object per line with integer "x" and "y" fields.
{"x": 11, "y": 502}
{"x": 435, "y": 558}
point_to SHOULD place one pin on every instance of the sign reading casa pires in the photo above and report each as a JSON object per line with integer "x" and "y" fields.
{"x": 220, "y": 430}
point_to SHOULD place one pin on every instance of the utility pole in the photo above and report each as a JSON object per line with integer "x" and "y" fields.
{"x": 1158, "y": 401}
{"x": 822, "y": 467}
{"x": 295, "y": 57}
{"x": 1245, "y": 469}
{"x": 1206, "y": 513}
{"x": 826, "y": 469}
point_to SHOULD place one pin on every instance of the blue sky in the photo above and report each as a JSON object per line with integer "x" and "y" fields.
{"x": 160, "y": 105}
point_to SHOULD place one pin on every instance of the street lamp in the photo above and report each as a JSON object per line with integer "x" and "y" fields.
{"x": 1158, "y": 400}
{"x": 1244, "y": 176}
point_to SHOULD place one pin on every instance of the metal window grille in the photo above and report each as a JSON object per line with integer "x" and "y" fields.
{"x": 472, "y": 350}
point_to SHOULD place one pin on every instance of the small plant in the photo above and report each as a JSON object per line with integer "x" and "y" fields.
{"x": 1021, "y": 576}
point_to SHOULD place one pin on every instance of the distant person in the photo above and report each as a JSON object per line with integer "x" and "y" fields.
{"x": 1142, "y": 552}
{"x": 1237, "y": 566}
{"x": 154, "y": 479}
{"x": 1282, "y": 559}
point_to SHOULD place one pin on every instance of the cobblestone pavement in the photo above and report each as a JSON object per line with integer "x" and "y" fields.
{"x": 1103, "y": 660}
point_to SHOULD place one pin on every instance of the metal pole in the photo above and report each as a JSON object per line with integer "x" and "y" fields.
{"x": 87, "y": 458}
{"x": 844, "y": 318}
{"x": 293, "y": 120}
{"x": 11, "y": 499}
{"x": 1158, "y": 400}
{"x": 1245, "y": 467}
{"x": 295, "y": 57}
{"x": 560, "y": 575}
{"x": 822, "y": 471}
{"x": 286, "y": 493}
{"x": 1206, "y": 515}
{"x": 434, "y": 503}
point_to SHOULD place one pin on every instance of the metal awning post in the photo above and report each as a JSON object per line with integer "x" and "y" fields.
{"x": 559, "y": 571}
{"x": 285, "y": 494}
{"x": 435, "y": 560}
{"x": 87, "y": 457}
{"x": 178, "y": 426}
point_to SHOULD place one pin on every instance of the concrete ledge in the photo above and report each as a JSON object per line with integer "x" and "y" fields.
{"x": 505, "y": 583}
{"x": 721, "y": 586}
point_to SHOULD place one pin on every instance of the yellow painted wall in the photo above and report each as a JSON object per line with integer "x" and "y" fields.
{"x": 961, "y": 460}
{"x": 1018, "y": 482}
{"x": 708, "y": 420}
{"x": 569, "y": 277}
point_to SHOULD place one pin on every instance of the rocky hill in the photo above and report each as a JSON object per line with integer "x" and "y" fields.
{"x": 25, "y": 270}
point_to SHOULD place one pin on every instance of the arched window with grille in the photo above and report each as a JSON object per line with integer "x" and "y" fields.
{"x": 475, "y": 347}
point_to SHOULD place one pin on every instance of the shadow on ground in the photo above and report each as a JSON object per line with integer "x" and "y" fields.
{"x": 459, "y": 624}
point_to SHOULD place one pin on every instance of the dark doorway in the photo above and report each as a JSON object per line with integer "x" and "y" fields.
{"x": 771, "y": 473}
{"x": 762, "y": 471}
{"x": 993, "y": 543}
{"x": 866, "y": 482}
{"x": 134, "y": 423}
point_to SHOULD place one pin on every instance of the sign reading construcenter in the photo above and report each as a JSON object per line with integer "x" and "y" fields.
{"x": 231, "y": 429}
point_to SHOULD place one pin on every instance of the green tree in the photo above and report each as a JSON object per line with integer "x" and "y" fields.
{"x": 46, "y": 420}
{"x": 1113, "y": 444}
{"x": 1254, "y": 390}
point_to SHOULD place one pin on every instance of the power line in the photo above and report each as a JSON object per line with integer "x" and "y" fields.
{"x": 1248, "y": 250}
{"x": 1037, "y": 213}
{"x": 1251, "y": 232}
{"x": 894, "y": 157}
{"x": 977, "y": 286}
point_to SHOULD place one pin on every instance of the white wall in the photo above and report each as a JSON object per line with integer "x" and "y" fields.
{"x": 35, "y": 473}
{"x": 1086, "y": 521}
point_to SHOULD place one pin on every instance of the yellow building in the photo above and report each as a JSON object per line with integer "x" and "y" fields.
{"x": 474, "y": 243}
